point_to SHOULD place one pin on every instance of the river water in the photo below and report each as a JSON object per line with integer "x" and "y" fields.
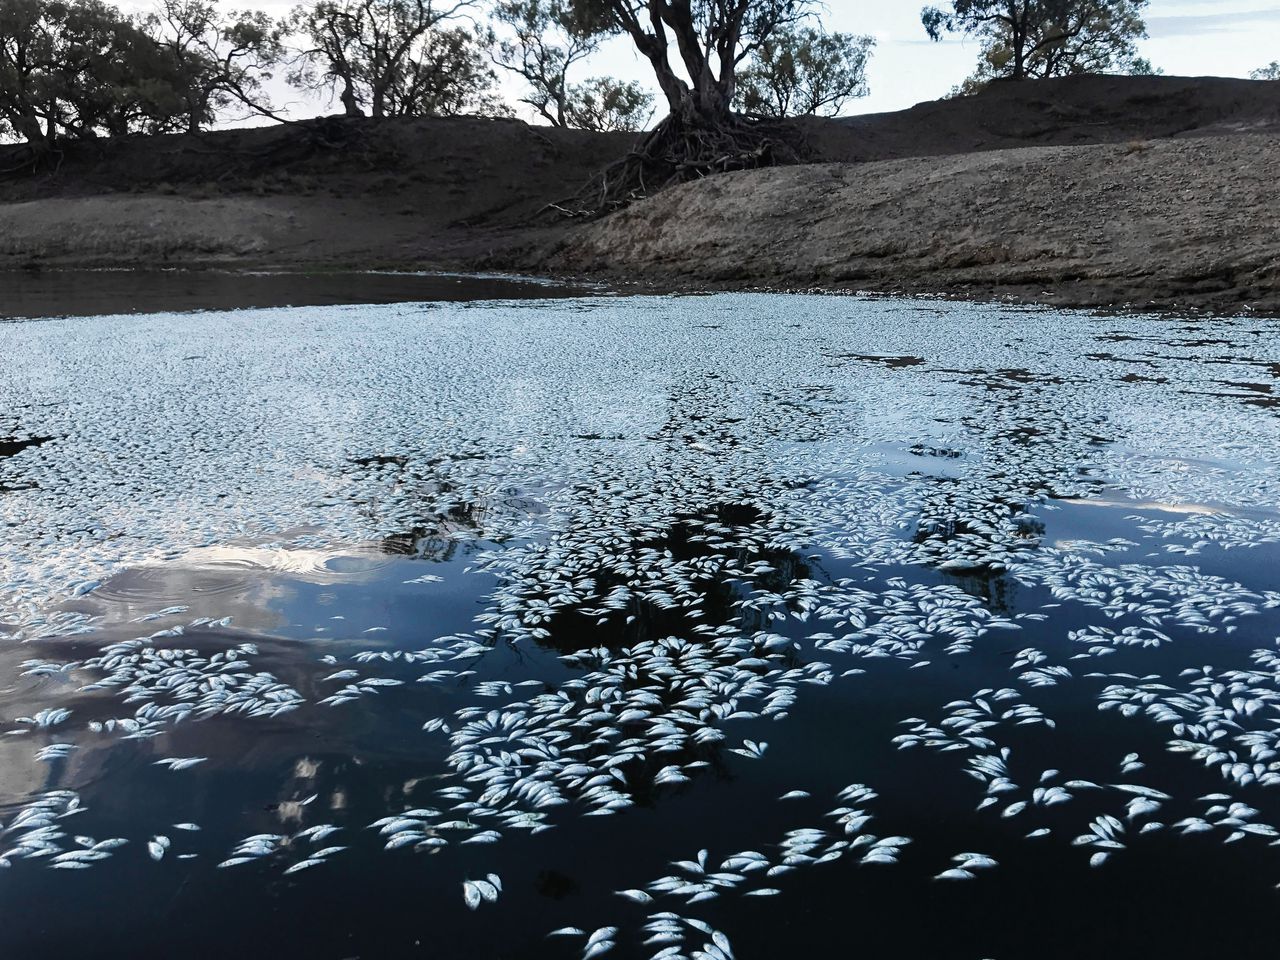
{"x": 747, "y": 625}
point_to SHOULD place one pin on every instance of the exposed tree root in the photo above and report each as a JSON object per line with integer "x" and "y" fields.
{"x": 678, "y": 150}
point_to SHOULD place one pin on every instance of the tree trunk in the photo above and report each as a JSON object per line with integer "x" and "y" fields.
{"x": 701, "y": 135}
{"x": 703, "y": 108}
{"x": 196, "y": 102}
{"x": 673, "y": 88}
{"x": 1018, "y": 37}
{"x": 713, "y": 105}
{"x": 561, "y": 95}
{"x": 33, "y": 133}
{"x": 350, "y": 105}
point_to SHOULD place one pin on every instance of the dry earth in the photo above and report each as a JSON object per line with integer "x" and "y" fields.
{"x": 1169, "y": 222}
{"x": 331, "y": 193}
{"x": 1085, "y": 191}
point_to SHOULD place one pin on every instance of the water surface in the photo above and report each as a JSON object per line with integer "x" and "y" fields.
{"x": 68, "y": 293}
{"x": 762, "y": 611}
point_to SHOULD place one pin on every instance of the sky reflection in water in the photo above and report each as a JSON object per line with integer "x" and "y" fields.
{"x": 645, "y": 534}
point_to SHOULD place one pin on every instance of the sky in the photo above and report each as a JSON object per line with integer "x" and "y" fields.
{"x": 1226, "y": 38}
{"x": 1188, "y": 38}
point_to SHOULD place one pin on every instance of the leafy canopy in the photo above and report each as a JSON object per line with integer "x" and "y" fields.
{"x": 799, "y": 72}
{"x": 394, "y": 57}
{"x": 695, "y": 47}
{"x": 1024, "y": 39}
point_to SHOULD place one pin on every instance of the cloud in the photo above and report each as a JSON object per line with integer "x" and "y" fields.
{"x": 1193, "y": 24}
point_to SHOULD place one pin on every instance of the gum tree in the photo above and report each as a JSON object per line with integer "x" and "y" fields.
{"x": 697, "y": 50}
{"x": 367, "y": 50}
{"x": 1025, "y": 39}
{"x": 803, "y": 72}
{"x": 216, "y": 61}
{"x": 606, "y": 105}
{"x": 78, "y": 69}
{"x": 450, "y": 74}
{"x": 543, "y": 41}
{"x": 695, "y": 47}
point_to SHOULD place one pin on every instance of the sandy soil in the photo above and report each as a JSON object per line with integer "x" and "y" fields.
{"x": 1087, "y": 191}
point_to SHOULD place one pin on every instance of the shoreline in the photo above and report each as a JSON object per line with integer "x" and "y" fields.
{"x": 1130, "y": 193}
{"x": 303, "y": 285}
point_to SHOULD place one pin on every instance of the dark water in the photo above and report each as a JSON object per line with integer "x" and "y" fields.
{"x": 534, "y": 495}
{"x": 63, "y": 293}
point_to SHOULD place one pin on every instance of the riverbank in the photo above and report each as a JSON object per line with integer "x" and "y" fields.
{"x": 71, "y": 292}
{"x": 1092, "y": 191}
{"x": 1166, "y": 224}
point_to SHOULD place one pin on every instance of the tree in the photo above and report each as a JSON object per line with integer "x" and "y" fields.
{"x": 545, "y": 40}
{"x": 1025, "y": 39}
{"x": 712, "y": 40}
{"x": 215, "y": 62}
{"x": 798, "y": 72}
{"x": 696, "y": 49}
{"x": 1270, "y": 72}
{"x": 136, "y": 87}
{"x": 385, "y": 54}
{"x": 28, "y": 69}
{"x": 77, "y": 69}
{"x": 607, "y": 105}
{"x": 450, "y": 75}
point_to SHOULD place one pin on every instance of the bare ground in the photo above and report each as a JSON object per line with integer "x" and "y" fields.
{"x": 1089, "y": 191}
{"x": 329, "y": 193}
{"x": 1189, "y": 222}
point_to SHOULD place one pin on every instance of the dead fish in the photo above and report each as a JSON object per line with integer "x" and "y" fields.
{"x": 471, "y": 895}
{"x": 180, "y": 763}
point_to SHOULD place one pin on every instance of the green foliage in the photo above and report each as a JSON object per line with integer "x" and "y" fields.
{"x": 1142, "y": 67}
{"x": 802, "y": 71}
{"x": 395, "y": 57}
{"x": 695, "y": 47}
{"x": 448, "y": 76}
{"x": 1270, "y": 72}
{"x": 543, "y": 41}
{"x": 608, "y": 105}
{"x": 79, "y": 68}
{"x": 1024, "y": 39}
{"x": 215, "y": 62}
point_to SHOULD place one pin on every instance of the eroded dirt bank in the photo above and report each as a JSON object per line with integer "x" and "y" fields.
{"x": 1188, "y": 222}
{"x": 1087, "y": 191}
